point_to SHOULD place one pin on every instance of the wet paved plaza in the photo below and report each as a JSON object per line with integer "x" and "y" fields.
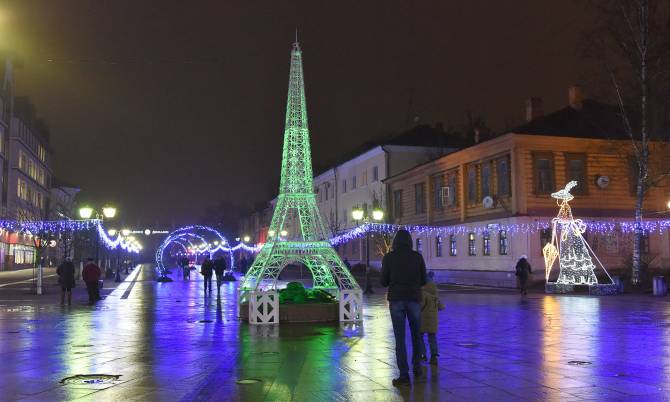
{"x": 168, "y": 342}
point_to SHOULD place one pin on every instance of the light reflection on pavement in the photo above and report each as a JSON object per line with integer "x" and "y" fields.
{"x": 169, "y": 342}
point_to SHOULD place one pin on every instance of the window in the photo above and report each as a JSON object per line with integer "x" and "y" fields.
{"x": 575, "y": 165}
{"x": 22, "y": 254}
{"x": 486, "y": 243}
{"x": 471, "y": 244}
{"x": 23, "y": 161}
{"x": 451, "y": 183}
{"x": 452, "y": 245}
{"x": 545, "y": 237}
{"x": 344, "y": 217}
{"x": 354, "y": 246}
{"x": 375, "y": 173}
{"x": 437, "y": 192}
{"x": 419, "y": 246}
{"x": 543, "y": 173}
{"x": 325, "y": 191}
{"x": 332, "y": 189}
{"x": 353, "y": 182}
{"x": 344, "y": 186}
{"x": 420, "y": 198}
{"x": 41, "y": 153}
{"x": 486, "y": 179}
{"x": 397, "y": 203}
{"x": 503, "y": 177}
{"x": 22, "y": 190}
{"x": 364, "y": 178}
{"x": 438, "y": 246}
{"x": 502, "y": 242}
{"x": 472, "y": 184}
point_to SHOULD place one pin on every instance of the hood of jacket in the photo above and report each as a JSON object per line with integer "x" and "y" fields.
{"x": 431, "y": 288}
{"x": 402, "y": 239}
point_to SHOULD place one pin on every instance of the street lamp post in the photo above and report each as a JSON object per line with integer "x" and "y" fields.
{"x": 360, "y": 215}
{"x": 87, "y": 213}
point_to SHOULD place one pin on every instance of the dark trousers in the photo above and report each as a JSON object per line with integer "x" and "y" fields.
{"x": 219, "y": 280}
{"x": 92, "y": 289}
{"x": 432, "y": 343}
{"x": 410, "y": 311}
{"x": 208, "y": 282}
{"x": 523, "y": 279}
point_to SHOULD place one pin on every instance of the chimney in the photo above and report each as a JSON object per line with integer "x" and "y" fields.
{"x": 533, "y": 109}
{"x": 575, "y": 97}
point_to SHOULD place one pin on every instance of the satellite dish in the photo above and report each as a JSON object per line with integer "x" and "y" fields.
{"x": 487, "y": 202}
{"x": 602, "y": 181}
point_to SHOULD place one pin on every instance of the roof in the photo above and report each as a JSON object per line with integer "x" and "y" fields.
{"x": 593, "y": 120}
{"x": 58, "y": 183}
{"x": 422, "y": 135}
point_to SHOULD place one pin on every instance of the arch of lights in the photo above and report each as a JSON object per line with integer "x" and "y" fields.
{"x": 199, "y": 239}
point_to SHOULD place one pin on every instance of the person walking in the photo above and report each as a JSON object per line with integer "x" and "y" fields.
{"x": 65, "y": 273}
{"x": 91, "y": 275}
{"x": 183, "y": 262}
{"x": 404, "y": 273}
{"x": 219, "y": 269}
{"x": 207, "y": 269}
{"x": 430, "y": 305}
{"x": 522, "y": 272}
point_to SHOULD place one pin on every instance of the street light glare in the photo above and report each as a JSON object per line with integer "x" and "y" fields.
{"x": 109, "y": 212}
{"x": 125, "y": 232}
{"x": 111, "y": 232}
{"x": 247, "y": 239}
{"x": 378, "y": 214}
{"x": 85, "y": 212}
{"x": 283, "y": 233}
{"x": 357, "y": 214}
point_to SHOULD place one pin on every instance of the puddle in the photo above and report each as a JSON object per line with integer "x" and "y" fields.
{"x": 205, "y": 321}
{"x": 467, "y": 345}
{"x": 579, "y": 363}
{"x": 82, "y": 346}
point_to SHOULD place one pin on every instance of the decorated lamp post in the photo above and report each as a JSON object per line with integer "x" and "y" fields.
{"x": 88, "y": 213}
{"x": 359, "y": 216}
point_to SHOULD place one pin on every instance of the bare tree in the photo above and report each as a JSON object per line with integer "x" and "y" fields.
{"x": 631, "y": 41}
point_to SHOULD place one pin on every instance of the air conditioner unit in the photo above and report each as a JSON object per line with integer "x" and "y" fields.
{"x": 444, "y": 195}
{"x": 487, "y": 202}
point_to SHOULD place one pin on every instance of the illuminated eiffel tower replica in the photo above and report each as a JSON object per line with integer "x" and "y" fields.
{"x": 297, "y": 233}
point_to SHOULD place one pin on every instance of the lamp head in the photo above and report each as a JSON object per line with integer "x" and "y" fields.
{"x": 378, "y": 214}
{"x": 85, "y": 212}
{"x": 357, "y": 214}
{"x": 109, "y": 212}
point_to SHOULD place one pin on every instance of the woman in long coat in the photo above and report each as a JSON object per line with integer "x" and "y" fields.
{"x": 65, "y": 273}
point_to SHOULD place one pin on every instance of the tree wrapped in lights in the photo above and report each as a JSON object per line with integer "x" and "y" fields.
{"x": 297, "y": 233}
{"x": 569, "y": 246}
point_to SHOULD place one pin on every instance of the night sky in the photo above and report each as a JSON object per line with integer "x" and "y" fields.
{"x": 165, "y": 107}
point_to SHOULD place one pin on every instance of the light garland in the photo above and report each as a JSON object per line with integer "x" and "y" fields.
{"x": 594, "y": 226}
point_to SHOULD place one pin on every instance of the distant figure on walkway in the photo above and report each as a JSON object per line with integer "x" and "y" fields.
{"x": 65, "y": 273}
{"x": 183, "y": 262}
{"x": 219, "y": 269}
{"x": 430, "y": 305}
{"x": 91, "y": 275}
{"x": 522, "y": 271}
{"x": 404, "y": 273}
{"x": 207, "y": 270}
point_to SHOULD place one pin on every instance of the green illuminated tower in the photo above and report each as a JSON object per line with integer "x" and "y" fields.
{"x": 297, "y": 233}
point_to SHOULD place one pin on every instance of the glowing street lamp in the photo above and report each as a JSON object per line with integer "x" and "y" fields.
{"x": 85, "y": 212}
{"x": 283, "y": 233}
{"x": 109, "y": 212}
{"x": 125, "y": 232}
{"x": 147, "y": 232}
{"x": 112, "y": 232}
{"x": 359, "y": 215}
{"x": 247, "y": 239}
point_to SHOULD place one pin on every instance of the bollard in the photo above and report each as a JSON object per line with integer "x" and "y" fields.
{"x": 660, "y": 288}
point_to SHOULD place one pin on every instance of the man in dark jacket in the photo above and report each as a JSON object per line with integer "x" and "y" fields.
{"x": 219, "y": 269}
{"x": 91, "y": 275}
{"x": 65, "y": 273}
{"x": 207, "y": 270}
{"x": 404, "y": 273}
{"x": 522, "y": 271}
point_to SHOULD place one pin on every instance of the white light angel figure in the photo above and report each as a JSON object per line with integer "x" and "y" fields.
{"x": 568, "y": 244}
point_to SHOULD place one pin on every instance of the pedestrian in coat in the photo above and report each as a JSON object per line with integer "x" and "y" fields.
{"x": 404, "y": 273}
{"x": 207, "y": 270}
{"x": 522, "y": 272}
{"x": 91, "y": 275}
{"x": 219, "y": 269}
{"x": 430, "y": 305}
{"x": 65, "y": 273}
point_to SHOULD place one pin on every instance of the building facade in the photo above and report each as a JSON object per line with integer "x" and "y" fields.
{"x": 506, "y": 182}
